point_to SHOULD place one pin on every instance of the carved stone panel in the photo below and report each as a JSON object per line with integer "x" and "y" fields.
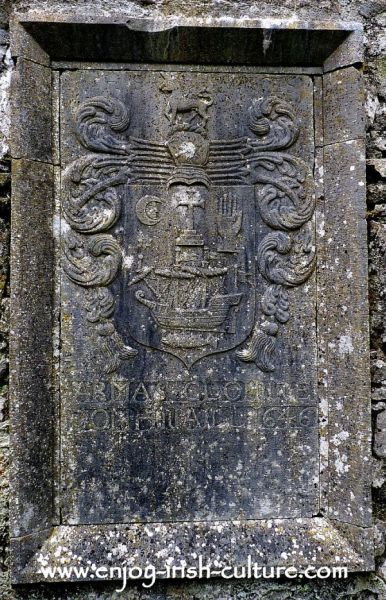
{"x": 188, "y": 297}
{"x": 189, "y": 368}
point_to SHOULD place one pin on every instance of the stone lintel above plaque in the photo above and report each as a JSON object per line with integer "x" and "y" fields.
{"x": 260, "y": 42}
{"x": 190, "y": 356}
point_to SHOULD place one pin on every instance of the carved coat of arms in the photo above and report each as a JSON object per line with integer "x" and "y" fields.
{"x": 190, "y": 206}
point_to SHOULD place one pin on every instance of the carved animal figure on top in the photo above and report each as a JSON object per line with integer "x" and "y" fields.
{"x": 180, "y": 102}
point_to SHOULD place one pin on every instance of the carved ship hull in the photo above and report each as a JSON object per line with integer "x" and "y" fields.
{"x": 209, "y": 318}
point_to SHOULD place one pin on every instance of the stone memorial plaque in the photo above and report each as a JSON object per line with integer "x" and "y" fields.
{"x": 188, "y": 333}
{"x": 201, "y": 346}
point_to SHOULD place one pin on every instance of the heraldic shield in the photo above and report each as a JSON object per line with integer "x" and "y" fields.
{"x": 205, "y": 235}
{"x": 191, "y": 290}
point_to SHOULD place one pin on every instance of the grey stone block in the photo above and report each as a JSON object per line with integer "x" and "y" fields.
{"x": 23, "y": 45}
{"x": 350, "y": 52}
{"x": 31, "y": 347}
{"x": 31, "y": 128}
{"x": 343, "y": 322}
{"x": 343, "y": 110}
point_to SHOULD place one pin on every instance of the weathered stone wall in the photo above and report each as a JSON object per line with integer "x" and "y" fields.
{"x": 373, "y": 16}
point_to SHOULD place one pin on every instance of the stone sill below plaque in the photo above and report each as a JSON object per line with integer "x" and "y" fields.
{"x": 303, "y": 542}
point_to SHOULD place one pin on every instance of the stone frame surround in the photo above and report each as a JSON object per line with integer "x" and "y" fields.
{"x": 341, "y": 534}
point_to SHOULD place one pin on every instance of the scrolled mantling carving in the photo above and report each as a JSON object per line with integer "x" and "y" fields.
{"x": 287, "y": 199}
{"x": 90, "y": 199}
{"x": 92, "y": 190}
{"x": 284, "y": 189}
{"x": 286, "y": 260}
{"x": 100, "y": 121}
{"x": 92, "y": 261}
{"x": 273, "y": 121}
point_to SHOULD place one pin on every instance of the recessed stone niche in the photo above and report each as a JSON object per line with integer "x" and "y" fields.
{"x": 189, "y": 313}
